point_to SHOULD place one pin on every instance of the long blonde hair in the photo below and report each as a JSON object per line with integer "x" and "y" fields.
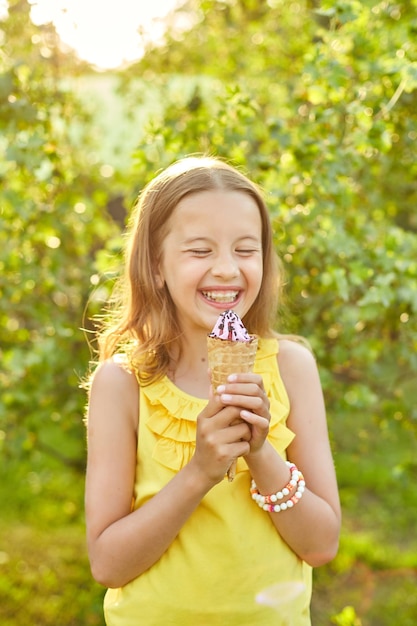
{"x": 143, "y": 320}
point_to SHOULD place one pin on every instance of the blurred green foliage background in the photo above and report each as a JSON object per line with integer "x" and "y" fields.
{"x": 317, "y": 102}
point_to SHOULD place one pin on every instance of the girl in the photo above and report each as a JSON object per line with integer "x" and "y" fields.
{"x": 175, "y": 542}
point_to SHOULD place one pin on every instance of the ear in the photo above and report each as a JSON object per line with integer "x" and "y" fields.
{"x": 159, "y": 279}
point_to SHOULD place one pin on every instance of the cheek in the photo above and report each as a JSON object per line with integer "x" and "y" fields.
{"x": 256, "y": 276}
{"x": 193, "y": 268}
{"x": 181, "y": 275}
{"x": 255, "y": 270}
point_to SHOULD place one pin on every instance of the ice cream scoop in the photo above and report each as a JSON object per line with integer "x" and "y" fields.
{"x": 231, "y": 350}
{"x": 230, "y": 327}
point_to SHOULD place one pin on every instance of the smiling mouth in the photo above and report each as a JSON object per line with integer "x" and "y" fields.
{"x": 221, "y": 296}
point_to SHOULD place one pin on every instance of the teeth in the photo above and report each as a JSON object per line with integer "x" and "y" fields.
{"x": 221, "y": 296}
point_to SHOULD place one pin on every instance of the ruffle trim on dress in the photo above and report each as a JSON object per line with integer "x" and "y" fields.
{"x": 174, "y": 416}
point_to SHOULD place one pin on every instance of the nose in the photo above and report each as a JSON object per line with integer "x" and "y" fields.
{"x": 225, "y": 266}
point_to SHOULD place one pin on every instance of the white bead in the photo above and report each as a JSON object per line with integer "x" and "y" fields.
{"x": 296, "y": 484}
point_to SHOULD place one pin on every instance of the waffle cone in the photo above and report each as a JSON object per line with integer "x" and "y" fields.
{"x": 230, "y": 357}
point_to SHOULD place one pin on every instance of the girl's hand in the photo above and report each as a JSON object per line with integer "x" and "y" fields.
{"x": 247, "y": 393}
{"x": 221, "y": 437}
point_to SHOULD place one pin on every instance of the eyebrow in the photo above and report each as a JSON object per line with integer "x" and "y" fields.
{"x": 192, "y": 240}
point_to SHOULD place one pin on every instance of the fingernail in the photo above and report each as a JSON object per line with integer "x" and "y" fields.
{"x": 221, "y": 388}
{"x": 226, "y": 397}
{"x": 232, "y": 378}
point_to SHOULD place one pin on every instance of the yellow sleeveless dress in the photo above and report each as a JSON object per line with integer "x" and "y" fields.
{"x": 228, "y": 566}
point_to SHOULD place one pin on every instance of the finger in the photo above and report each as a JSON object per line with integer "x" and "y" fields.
{"x": 248, "y": 377}
{"x": 229, "y": 416}
{"x": 213, "y": 406}
{"x": 249, "y": 388}
{"x": 222, "y": 419}
{"x": 258, "y": 403}
{"x": 240, "y": 448}
{"x": 238, "y": 432}
{"x": 255, "y": 420}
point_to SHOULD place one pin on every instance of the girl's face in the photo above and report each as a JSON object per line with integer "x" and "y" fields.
{"x": 212, "y": 257}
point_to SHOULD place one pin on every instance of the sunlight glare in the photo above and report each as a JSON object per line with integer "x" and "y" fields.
{"x": 280, "y": 594}
{"x": 106, "y": 34}
{"x": 3, "y": 9}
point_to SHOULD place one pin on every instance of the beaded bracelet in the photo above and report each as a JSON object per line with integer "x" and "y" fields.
{"x": 270, "y": 502}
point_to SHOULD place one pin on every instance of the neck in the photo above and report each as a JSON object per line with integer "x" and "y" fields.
{"x": 189, "y": 367}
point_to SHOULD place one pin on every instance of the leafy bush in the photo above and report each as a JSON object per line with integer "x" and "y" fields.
{"x": 317, "y": 103}
{"x": 52, "y": 219}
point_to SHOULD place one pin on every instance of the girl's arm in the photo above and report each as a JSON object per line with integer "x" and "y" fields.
{"x": 311, "y": 528}
{"x": 122, "y": 544}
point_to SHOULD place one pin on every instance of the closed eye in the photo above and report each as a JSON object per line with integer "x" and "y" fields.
{"x": 247, "y": 251}
{"x": 199, "y": 251}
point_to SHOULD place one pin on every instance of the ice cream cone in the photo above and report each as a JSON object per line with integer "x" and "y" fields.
{"x": 230, "y": 357}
